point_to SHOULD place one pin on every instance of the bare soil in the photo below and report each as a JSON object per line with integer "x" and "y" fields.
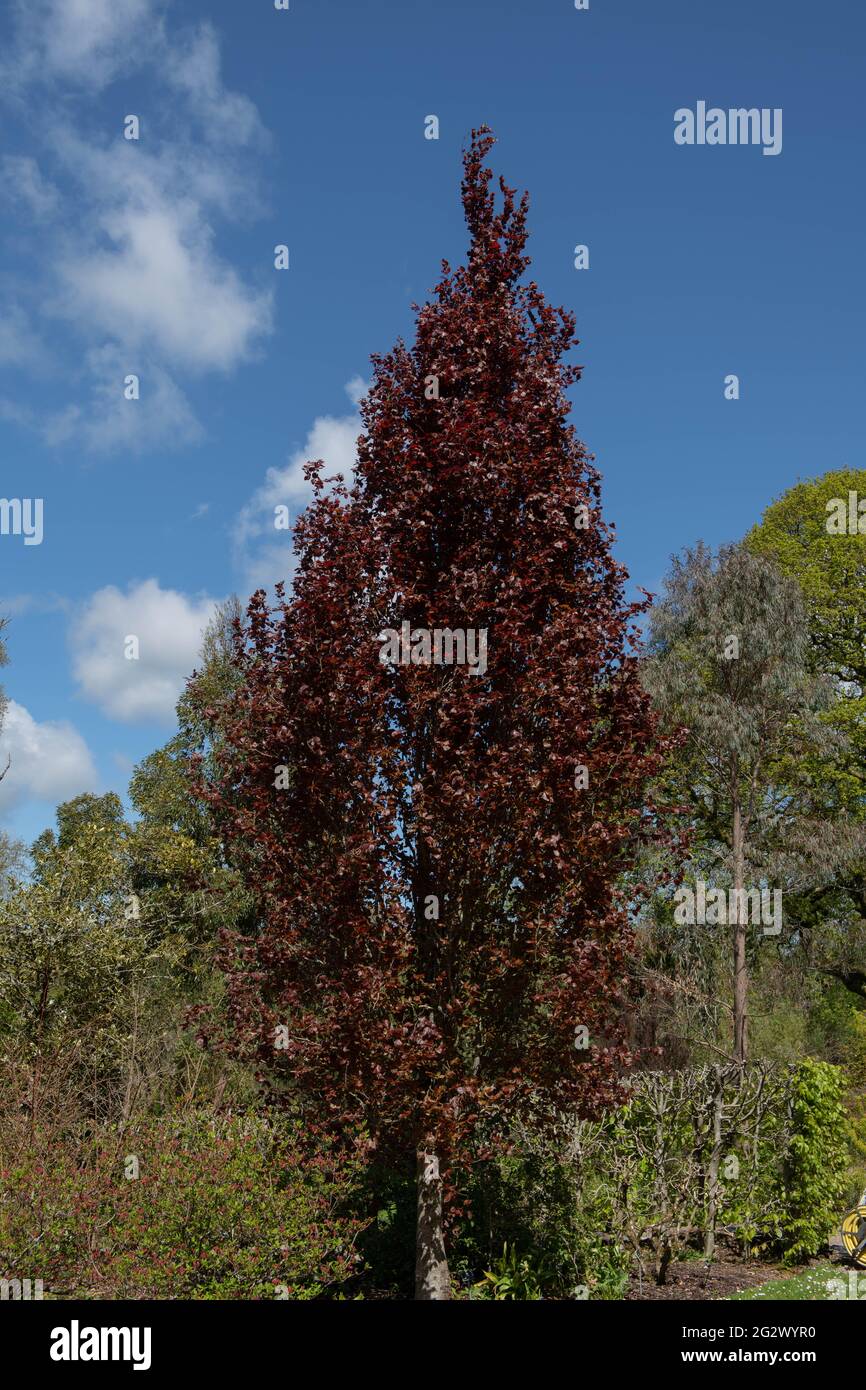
{"x": 691, "y": 1279}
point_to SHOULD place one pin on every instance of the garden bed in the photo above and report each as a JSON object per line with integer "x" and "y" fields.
{"x": 690, "y": 1279}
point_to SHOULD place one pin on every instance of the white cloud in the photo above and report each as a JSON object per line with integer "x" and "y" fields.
{"x": 20, "y": 345}
{"x": 85, "y": 41}
{"x": 169, "y": 628}
{"x": 356, "y": 389}
{"x": 82, "y": 33}
{"x": 115, "y": 174}
{"x": 260, "y": 551}
{"x": 16, "y": 605}
{"x": 161, "y": 417}
{"x": 23, "y": 183}
{"x": 17, "y": 414}
{"x": 162, "y": 287}
{"x": 138, "y": 270}
{"x": 49, "y": 762}
{"x": 193, "y": 67}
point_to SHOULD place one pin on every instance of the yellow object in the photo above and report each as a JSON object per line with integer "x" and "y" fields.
{"x": 853, "y": 1232}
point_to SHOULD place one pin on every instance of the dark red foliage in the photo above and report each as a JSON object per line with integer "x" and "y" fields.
{"x": 412, "y": 781}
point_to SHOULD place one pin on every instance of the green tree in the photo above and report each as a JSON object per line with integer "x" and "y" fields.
{"x": 830, "y": 569}
{"x": 73, "y": 817}
{"x": 74, "y": 958}
{"x": 800, "y": 531}
{"x": 728, "y": 662}
{"x": 111, "y": 937}
{"x": 182, "y": 858}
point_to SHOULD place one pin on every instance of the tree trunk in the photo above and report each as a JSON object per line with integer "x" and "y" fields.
{"x": 713, "y": 1173}
{"x": 432, "y": 1279}
{"x": 741, "y": 979}
{"x": 665, "y": 1256}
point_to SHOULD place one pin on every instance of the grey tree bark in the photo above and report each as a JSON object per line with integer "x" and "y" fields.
{"x": 432, "y": 1277}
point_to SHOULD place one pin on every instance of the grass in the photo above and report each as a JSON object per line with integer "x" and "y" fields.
{"x": 811, "y": 1285}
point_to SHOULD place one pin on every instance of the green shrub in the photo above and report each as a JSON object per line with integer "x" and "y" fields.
{"x": 513, "y": 1278}
{"x": 811, "y": 1180}
{"x": 796, "y": 1184}
{"x": 537, "y": 1201}
{"x": 220, "y": 1209}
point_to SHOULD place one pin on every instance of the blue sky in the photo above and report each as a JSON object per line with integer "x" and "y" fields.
{"x": 259, "y": 127}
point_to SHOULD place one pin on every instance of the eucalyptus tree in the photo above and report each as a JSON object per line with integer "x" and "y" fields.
{"x": 728, "y": 662}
